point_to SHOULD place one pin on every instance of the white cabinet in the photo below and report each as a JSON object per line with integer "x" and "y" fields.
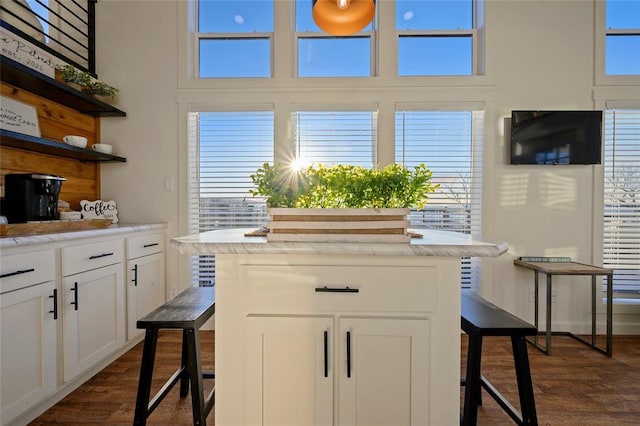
{"x": 330, "y": 340}
{"x": 383, "y": 371}
{"x": 93, "y": 313}
{"x": 28, "y": 348}
{"x": 290, "y": 364}
{"x": 145, "y": 278}
{"x": 380, "y": 366}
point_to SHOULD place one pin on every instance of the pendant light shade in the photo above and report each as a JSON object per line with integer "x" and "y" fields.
{"x": 343, "y": 17}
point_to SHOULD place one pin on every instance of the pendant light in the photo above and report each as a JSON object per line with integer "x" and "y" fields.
{"x": 343, "y": 17}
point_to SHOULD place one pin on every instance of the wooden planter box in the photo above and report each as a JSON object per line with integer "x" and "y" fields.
{"x": 339, "y": 225}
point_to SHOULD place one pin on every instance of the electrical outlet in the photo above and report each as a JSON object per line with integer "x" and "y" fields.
{"x": 554, "y": 296}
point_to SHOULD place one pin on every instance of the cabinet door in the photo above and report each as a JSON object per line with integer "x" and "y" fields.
{"x": 145, "y": 289}
{"x": 28, "y": 356}
{"x": 93, "y": 317}
{"x": 289, "y": 371}
{"x": 383, "y": 371}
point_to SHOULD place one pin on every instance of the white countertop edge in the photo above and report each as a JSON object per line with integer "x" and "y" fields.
{"x": 120, "y": 228}
{"x": 434, "y": 243}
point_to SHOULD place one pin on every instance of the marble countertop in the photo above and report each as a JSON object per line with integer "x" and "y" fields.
{"x": 121, "y": 228}
{"x": 433, "y": 243}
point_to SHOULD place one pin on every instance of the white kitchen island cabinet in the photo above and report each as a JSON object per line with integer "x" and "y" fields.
{"x": 330, "y": 333}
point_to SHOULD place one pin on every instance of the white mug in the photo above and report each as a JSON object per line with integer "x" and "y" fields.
{"x": 102, "y": 147}
{"x": 79, "y": 141}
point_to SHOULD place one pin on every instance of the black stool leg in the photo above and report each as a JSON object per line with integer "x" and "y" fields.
{"x": 194, "y": 367}
{"x": 523, "y": 375}
{"x": 146, "y": 374}
{"x": 184, "y": 378}
{"x": 472, "y": 387}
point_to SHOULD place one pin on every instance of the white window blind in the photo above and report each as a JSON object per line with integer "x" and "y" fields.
{"x": 335, "y": 137}
{"x": 621, "y": 243}
{"x": 225, "y": 148}
{"x": 450, "y": 144}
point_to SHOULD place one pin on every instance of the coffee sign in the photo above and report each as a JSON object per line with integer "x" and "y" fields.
{"x": 99, "y": 209}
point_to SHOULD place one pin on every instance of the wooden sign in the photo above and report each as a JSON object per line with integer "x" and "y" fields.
{"x": 27, "y": 54}
{"x": 99, "y": 209}
{"x": 18, "y": 117}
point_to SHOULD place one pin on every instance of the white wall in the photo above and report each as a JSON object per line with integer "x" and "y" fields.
{"x": 539, "y": 55}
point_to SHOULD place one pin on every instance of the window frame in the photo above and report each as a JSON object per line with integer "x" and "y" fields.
{"x": 601, "y": 33}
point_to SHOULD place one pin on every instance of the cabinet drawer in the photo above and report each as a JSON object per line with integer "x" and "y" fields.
{"x": 144, "y": 245}
{"x": 91, "y": 256}
{"x": 22, "y": 270}
{"x": 298, "y": 288}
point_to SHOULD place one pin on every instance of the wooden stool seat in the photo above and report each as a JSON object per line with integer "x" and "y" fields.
{"x": 480, "y": 318}
{"x": 187, "y": 311}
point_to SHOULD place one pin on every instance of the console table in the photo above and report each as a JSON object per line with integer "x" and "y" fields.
{"x": 571, "y": 268}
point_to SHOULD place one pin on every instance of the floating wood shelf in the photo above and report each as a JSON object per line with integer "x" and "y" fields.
{"x": 25, "y": 78}
{"x": 46, "y": 146}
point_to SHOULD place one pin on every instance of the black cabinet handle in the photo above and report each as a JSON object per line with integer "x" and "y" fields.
{"x": 75, "y": 296}
{"x": 135, "y": 275}
{"x": 18, "y": 272}
{"x": 150, "y": 245}
{"x": 54, "y": 296}
{"x": 348, "y": 354}
{"x": 346, "y": 289}
{"x": 326, "y": 353}
{"x": 98, "y": 256}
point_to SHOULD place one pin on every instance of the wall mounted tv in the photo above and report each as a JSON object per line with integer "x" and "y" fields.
{"x": 556, "y": 137}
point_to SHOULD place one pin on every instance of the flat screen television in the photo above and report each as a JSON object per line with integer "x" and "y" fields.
{"x": 556, "y": 137}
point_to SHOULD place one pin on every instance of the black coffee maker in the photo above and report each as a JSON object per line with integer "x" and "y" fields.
{"x": 31, "y": 196}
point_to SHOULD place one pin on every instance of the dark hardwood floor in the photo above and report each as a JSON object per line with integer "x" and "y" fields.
{"x": 574, "y": 386}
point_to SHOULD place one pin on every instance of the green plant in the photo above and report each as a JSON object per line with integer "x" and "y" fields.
{"x": 344, "y": 186}
{"x": 102, "y": 89}
{"x": 71, "y": 74}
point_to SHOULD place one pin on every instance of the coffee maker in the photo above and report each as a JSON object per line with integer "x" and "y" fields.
{"x": 31, "y": 196}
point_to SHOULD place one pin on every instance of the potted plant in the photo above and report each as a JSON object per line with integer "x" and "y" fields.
{"x": 83, "y": 81}
{"x": 342, "y": 203}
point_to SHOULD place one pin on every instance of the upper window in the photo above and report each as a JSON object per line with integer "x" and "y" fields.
{"x": 322, "y": 55}
{"x": 235, "y": 38}
{"x": 435, "y": 37}
{"x": 622, "y": 37}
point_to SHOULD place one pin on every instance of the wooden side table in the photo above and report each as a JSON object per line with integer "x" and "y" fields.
{"x": 572, "y": 268}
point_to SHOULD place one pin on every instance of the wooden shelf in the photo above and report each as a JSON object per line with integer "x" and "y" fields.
{"x": 46, "y": 146}
{"x": 25, "y": 78}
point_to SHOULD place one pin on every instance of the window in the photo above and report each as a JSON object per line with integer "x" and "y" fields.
{"x": 450, "y": 144}
{"x": 225, "y": 148}
{"x": 622, "y": 44}
{"x": 435, "y": 37}
{"x": 322, "y": 55}
{"x": 234, "y": 38}
{"x": 621, "y": 239}
{"x": 335, "y": 137}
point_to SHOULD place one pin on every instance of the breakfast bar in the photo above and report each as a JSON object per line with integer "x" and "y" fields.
{"x": 337, "y": 333}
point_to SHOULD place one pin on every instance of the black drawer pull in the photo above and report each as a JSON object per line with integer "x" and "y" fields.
{"x": 75, "y": 296}
{"x": 54, "y": 296}
{"x": 326, "y": 353}
{"x": 150, "y": 245}
{"x": 19, "y": 272}
{"x": 348, "y": 354}
{"x": 98, "y": 256}
{"x": 347, "y": 289}
{"x": 135, "y": 275}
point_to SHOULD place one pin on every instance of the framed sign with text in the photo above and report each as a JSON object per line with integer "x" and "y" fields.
{"x": 18, "y": 117}
{"x": 27, "y": 54}
{"x": 99, "y": 209}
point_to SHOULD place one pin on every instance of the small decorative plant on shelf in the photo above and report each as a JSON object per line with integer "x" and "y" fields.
{"x": 342, "y": 203}
{"x": 82, "y": 80}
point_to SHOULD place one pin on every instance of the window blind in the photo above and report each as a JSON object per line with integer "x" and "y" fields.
{"x": 335, "y": 137}
{"x": 621, "y": 239}
{"x": 450, "y": 144}
{"x": 225, "y": 148}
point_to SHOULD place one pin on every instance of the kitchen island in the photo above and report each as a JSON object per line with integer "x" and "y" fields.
{"x": 337, "y": 333}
